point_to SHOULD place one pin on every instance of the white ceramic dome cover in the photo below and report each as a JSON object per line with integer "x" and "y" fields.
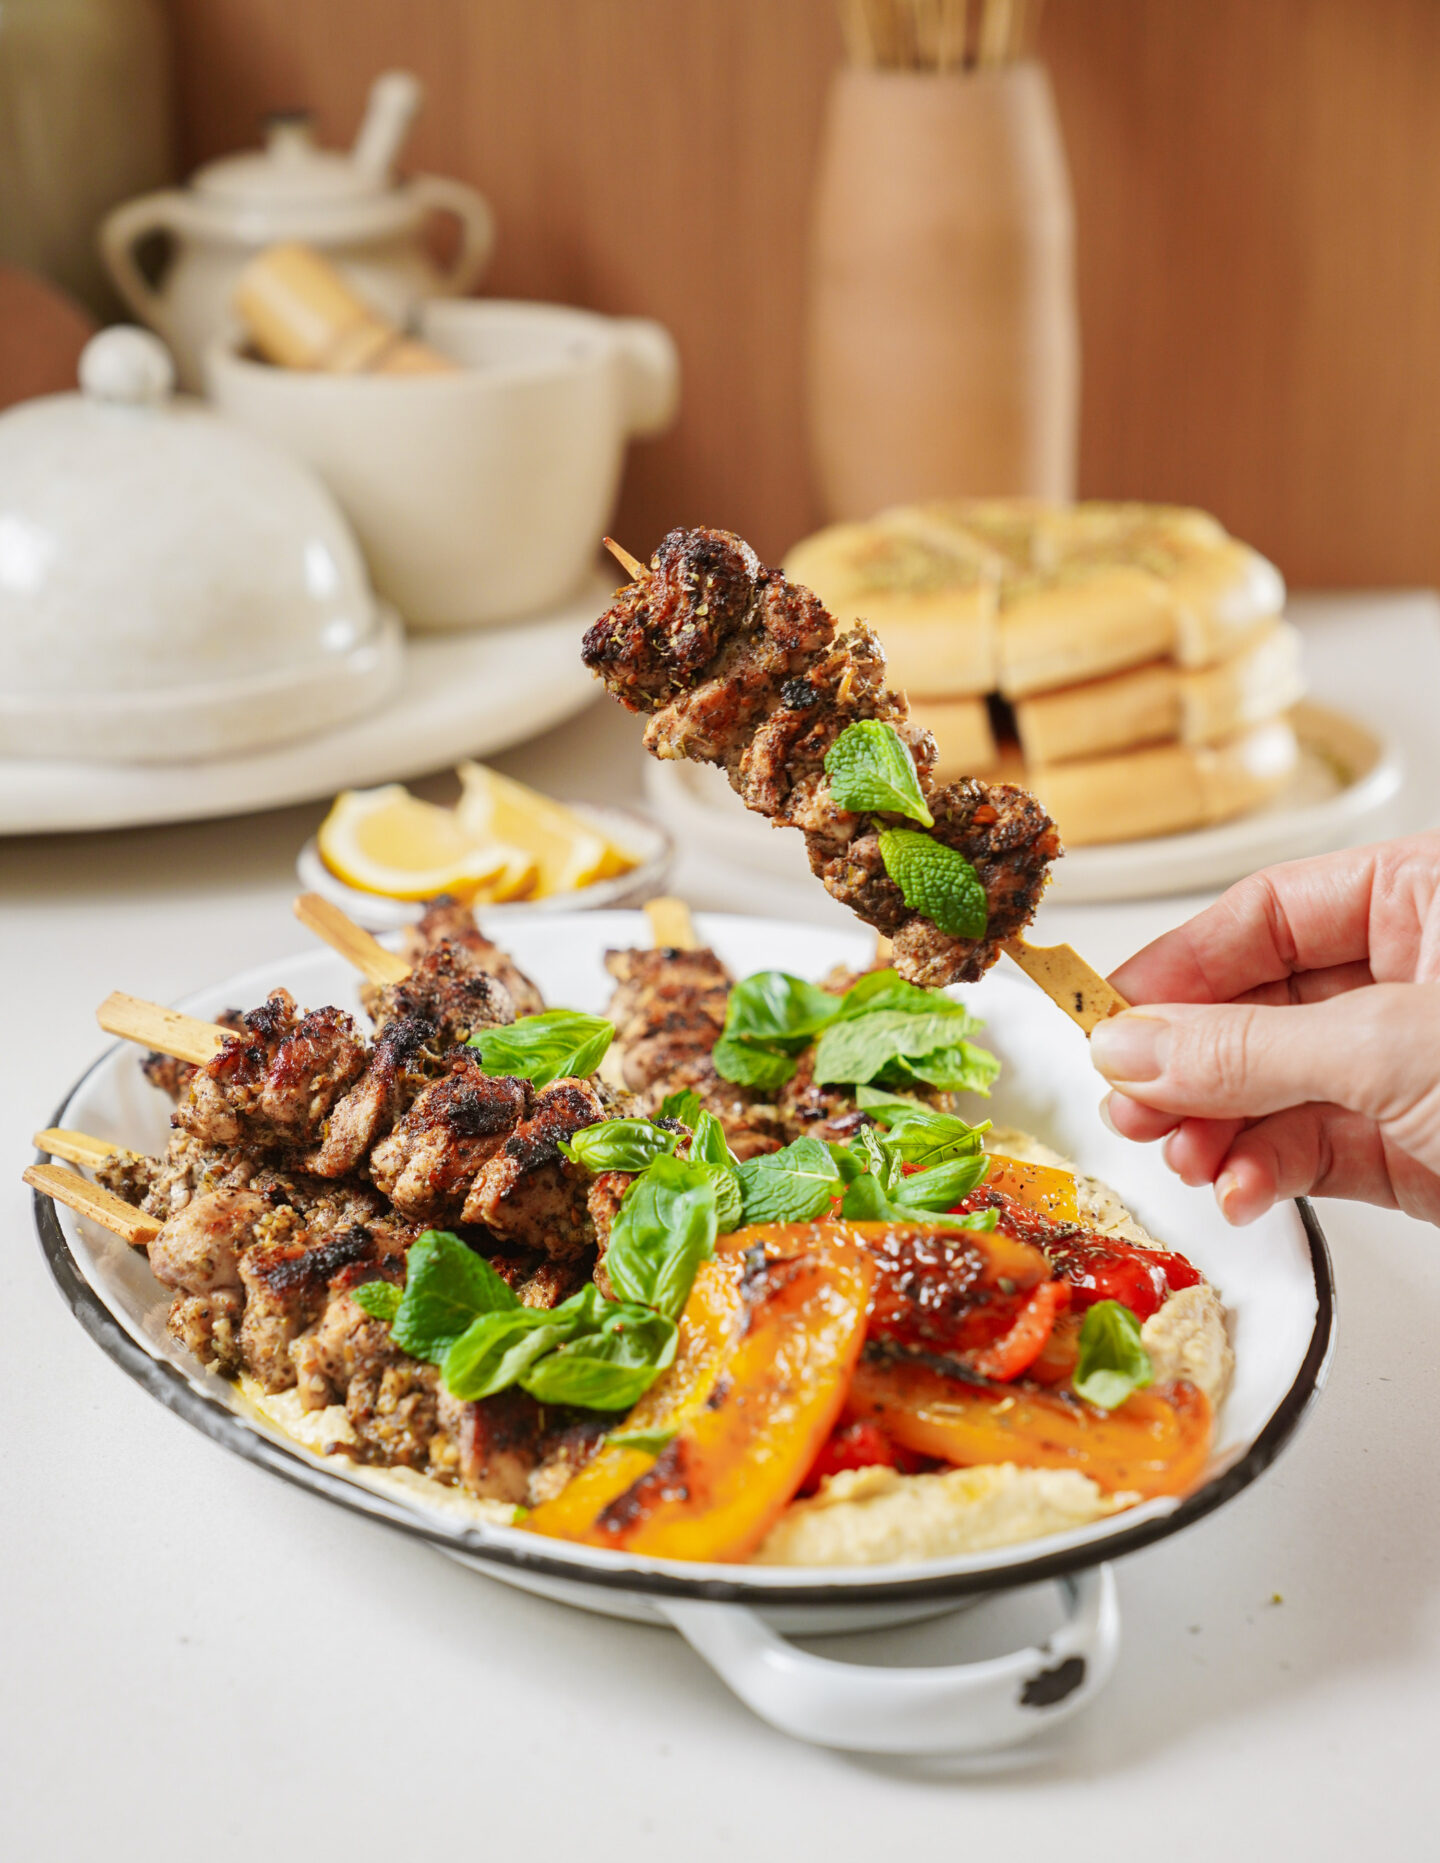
{"x": 146, "y": 544}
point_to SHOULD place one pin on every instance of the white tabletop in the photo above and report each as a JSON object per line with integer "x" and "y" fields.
{"x": 200, "y": 1662}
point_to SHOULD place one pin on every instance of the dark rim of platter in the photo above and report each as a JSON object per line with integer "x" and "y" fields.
{"x": 209, "y": 1415}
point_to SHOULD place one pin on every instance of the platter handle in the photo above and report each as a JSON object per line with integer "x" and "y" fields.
{"x": 976, "y": 1707}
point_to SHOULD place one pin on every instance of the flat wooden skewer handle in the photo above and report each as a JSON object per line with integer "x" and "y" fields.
{"x": 87, "y": 1199}
{"x": 632, "y": 565}
{"x": 352, "y": 941}
{"x": 1068, "y": 981}
{"x": 165, "y": 1030}
{"x": 671, "y": 925}
{"x": 74, "y": 1147}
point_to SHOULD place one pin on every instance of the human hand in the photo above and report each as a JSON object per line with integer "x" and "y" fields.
{"x": 1287, "y": 1040}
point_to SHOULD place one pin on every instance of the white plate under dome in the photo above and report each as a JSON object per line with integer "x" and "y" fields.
{"x": 461, "y": 695}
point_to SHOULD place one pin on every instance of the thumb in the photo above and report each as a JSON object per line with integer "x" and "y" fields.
{"x": 1375, "y": 1051}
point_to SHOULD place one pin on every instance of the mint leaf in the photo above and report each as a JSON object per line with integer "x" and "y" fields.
{"x": 618, "y": 1145}
{"x": 610, "y": 1368}
{"x": 447, "y": 1287}
{"x": 380, "y": 1299}
{"x": 684, "y": 1106}
{"x": 665, "y": 1227}
{"x": 870, "y": 767}
{"x": 936, "y": 881}
{"x": 543, "y": 1048}
{"x": 650, "y": 1441}
{"x": 795, "y": 1185}
{"x": 751, "y": 1066}
{"x": 1113, "y": 1361}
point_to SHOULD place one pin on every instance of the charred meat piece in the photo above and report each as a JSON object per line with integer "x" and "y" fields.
{"x": 446, "y": 921}
{"x": 429, "y": 1162}
{"x": 208, "y": 1326}
{"x": 396, "y": 1073}
{"x": 528, "y": 1195}
{"x": 276, "y": 1083}
{"x": 289, "y": 1278}
{"x": 511, "y": 1448}
{"x": 738, "y": 667}
{"x": 669, "y": 1011}
{"x": 448, "y": 987}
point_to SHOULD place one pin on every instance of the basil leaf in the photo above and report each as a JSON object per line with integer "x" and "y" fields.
{"x": 876, "y": 1158}
{"x": 961, "y": 1069}
{"x": 887, "y": 989}
{"x": 870, "y": 767}
{"x": 380, "y": 1299}
{"x": 943, "y": 1185}
{"x": 684, "y": 1106}
{"x": 866, "y": 1202}
{"x": 665, "y": 1227}
{"x": 862, "y": 1047}
{"x": 650, "y": 1441}
{"x": 795, "y": 1185}
{"x": 608, "y": 1369}
{"x": 773, "y": 1006}
{"x": 749, "y": 1066}
{"x": 922, "y": 1134}
{"x": 618, "y": 1145}
{"x": 936, "y": 881}
{"x": 1113, "y": 1361}
{"x": 546, "y": 1047}
{"x": 708, "y": 1146}
{"x": 498, "y": 1347}
{"x": 447, "y": 1286}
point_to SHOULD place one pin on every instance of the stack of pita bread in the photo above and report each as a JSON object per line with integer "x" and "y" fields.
{"x": 1129, "y": 663}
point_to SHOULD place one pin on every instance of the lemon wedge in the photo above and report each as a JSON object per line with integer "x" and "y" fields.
{"x": 390, "y": 842}
{"x": 568, "y": 851}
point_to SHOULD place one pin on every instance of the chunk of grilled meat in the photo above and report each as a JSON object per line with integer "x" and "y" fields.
{"x": 450, "y": 989}
{"x": 429, "y": 1162}
{"x": 397, "y": 1070}
{"x": 447, "y": 921}
{"x": 529, "y": 1194}
{"x": 275, "y": 1083}
{"x": 669, "y": 1011}
{"x": 172, "y": 1076}
{"x": 738, "y": 667}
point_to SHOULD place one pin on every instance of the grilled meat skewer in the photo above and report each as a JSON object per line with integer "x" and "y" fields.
{"x": 738, "y": 667}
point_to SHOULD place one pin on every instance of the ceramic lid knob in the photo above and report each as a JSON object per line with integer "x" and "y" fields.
{"x": 129, "y": 365}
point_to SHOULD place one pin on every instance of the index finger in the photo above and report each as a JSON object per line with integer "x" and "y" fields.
{"x": 1305, "y": 915}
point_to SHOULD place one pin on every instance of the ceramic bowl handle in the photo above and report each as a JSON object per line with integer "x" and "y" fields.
{"x": 120, "y": 233}
{"x": 975, "y": 1707}
{"x": 439, "y": 194}
{"x": 651, "y": 366}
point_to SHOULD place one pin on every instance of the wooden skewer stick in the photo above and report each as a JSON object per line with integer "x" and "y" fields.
{"x": 74, "y": 1147}
{"x": 87, "y": 1199}
{"x": 671, "y": 925}
{"x": 165, "y": 1030}
{"x": 630, "y": 564}
{"x": 1068, "y": 981}
{"x": 352, "y": 941}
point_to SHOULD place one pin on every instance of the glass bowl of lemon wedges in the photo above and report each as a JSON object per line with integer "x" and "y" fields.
{"x": 381, "y": 854}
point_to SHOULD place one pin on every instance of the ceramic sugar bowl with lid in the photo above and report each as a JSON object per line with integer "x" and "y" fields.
{"x": 348, "y": 204}
{"x": 171, "y": 587}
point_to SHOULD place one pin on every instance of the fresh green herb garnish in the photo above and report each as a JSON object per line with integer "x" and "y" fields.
{"x": 1113, "y": 1361}
{"x": 795, "y": 1185}
{"x": 665, "y": 1227}
{"x": 921, "y": 1134}
{"x": 446, "y": 1285}
{"x": 866, "y": 1202}
{"x": 684, "y": 1106}
{"x": 709, "y": 1146}
{"x": 380, "y": 1299}
{"x": 769, "y": 1018}
{"x": 936, "y": 881}
{"x": 609, "y": 1367}
{"x": 750, "y": 1065}
{"x": 941, "y": 1186}
{"x": 901, "y": 1048}
{"x": 618, "y": 1145}
{"x": 870, "y": 767}
{"x": 546, "y": 1047}
{"x": 650, "y": 1441}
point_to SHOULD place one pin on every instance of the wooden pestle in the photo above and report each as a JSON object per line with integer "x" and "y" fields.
{"x": 301, "y": 313}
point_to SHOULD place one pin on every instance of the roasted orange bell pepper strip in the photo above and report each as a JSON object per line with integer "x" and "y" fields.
{"x": 744, "y": 1448}
{"x": 1038, "y": 1186}
{"x": 1156, "y": 1442}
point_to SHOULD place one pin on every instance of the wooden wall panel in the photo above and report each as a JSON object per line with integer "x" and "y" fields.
{"x": 1258, "y": 193}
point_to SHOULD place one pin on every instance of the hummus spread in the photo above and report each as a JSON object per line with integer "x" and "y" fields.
{"x": 875, "y": 1516}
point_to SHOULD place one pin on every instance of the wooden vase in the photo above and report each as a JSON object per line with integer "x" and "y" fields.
{"x": 944, "y": 351}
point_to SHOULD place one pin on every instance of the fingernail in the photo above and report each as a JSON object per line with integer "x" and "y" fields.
{"x": 1131, "y": 1047}
{"x": 1105, "y": 1118}
{"x": 1229, "y": 1195}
